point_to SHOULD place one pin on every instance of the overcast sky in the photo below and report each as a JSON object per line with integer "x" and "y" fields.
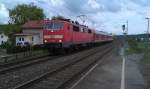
{"x": 105, "y": 15}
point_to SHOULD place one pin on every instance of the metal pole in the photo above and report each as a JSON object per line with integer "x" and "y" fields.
{"x": 147, "y": 33}
{"x": 147, "y": 28}
{"x": 127, "y": 26}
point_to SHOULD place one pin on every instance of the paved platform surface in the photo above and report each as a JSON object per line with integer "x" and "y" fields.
{"x": 107, "y": 75}
{"x": 134, "y": 78}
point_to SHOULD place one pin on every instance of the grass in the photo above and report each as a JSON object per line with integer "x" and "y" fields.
{"x": 135, "y": 47}
{"x": 139, "y": 47}
{"x": 147, "y": 58}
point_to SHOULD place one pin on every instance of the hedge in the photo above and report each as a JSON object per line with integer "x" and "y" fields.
{"x": 18, "y": 49}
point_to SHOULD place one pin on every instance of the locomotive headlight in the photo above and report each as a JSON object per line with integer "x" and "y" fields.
{"x": 45, "y": 41}
{"x": 60, "y": 40}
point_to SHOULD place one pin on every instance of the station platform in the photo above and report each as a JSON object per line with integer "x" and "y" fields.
{"x": 108, "y": 74}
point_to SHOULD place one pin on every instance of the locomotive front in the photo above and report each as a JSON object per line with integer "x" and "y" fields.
{"x": 53, "y": 34}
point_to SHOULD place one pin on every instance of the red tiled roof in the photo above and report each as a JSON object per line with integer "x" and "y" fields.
{"x": 34, "y": 24}
{"x": 38, "y": 24}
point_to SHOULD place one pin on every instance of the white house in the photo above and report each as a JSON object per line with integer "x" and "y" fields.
{"x": 3, "y": 37}
{"x": 27, "y": 39}
{"x": 32, "y": 33}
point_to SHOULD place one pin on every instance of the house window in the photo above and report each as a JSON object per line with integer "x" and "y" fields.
{"x": 19, "y": 39}
{"x": 2, "y": 42}
{"x": 2, "y": 36}
{"x": 22, "y": 39}
{"x": 32, "y": 38}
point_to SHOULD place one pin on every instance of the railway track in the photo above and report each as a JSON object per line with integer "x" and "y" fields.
{"x": 15, "y": 66}
{"x": 20, "y": 64}
{"x": 19, "y": 81}
{"x": 65, "y": 73}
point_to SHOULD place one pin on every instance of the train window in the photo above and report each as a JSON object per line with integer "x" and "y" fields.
{"x": 76, "y": 29}
{"x": 54, "y": 26}
{"x": 89, "y": 31}
{"x": 82, "y": 29}
{"x": 86, "y": 30}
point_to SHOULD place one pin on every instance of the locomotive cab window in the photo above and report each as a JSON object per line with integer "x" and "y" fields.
{"x": 54, "y": 26}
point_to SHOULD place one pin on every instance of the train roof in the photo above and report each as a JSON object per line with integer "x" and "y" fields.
{"x": 102, "y": 32}
{"x": 40, "y": 24}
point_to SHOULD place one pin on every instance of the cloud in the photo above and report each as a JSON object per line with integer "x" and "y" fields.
{"x": 4, "y": 14}
{"x": 141, "y": 2}
{"x": 92, "y": 6}
{"x": 75, "y": 6}
{"x": 111, "y": 6}
{"x": 106, "y": 15}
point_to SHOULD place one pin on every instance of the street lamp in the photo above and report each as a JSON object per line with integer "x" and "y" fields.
{"x": 147, "y": 33}
{"x": 147, "y": 18}
{"x": 147, "y": 24}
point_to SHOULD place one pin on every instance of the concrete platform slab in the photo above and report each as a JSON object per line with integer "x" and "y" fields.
{"x": 107, "y": 75}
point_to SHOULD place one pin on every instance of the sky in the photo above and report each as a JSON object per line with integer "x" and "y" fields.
{"x": 103, "y": 15}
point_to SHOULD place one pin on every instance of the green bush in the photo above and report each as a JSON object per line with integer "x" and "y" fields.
{"x": 38, "y": 47}
{"x": 18, "y": 49}
{"x": 5, "y": 45}
{"x": 147, "y": 57}
{"x": 135, "y": 46}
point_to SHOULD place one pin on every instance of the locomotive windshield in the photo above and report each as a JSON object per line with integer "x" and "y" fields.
{"x": 54, "y": 26}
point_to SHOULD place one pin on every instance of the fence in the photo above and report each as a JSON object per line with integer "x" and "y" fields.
{"x": 22, "y": 56}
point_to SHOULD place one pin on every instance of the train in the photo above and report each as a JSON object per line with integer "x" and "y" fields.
{"x": 66, "y": 34}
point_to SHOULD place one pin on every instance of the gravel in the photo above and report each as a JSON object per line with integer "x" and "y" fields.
{"x": 13, "y": 78}
{"x": 55, "y": 81}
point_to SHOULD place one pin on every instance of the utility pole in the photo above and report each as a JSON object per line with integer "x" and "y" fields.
{"x": 147, "y": 25}
{"x": 127, "y": 27}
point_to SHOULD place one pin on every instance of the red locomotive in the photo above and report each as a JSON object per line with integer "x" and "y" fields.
{"x": 69, "y": 34}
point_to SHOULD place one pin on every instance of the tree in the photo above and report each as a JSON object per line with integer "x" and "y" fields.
{"x": 18, "y": 16}
{"x": 22, "y": 13}
{"x": 58, "y": 18}
{"x": 10, "y": 30}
